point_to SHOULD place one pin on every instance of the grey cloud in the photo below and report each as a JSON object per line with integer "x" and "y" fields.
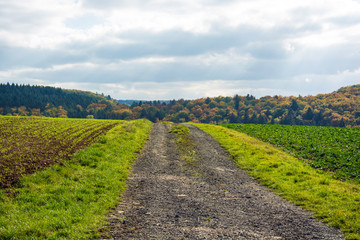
{"x": 261, "y": 43}
{"x": 305, "y": 13}
{"x": 173, "y": 43}
{"x": 180, "y": 43}
{"x": 304, "y": 61}
{"x": 267, "y": 50}
{"x": 349, "y": 20}
{"x": 18, "y": 57}
{"x": 269, "y": 59}
{"x": 175, "y": 6}
{"x": 111, "y": 4}
{"x": 19, "y": 18}
{"x": 257, "y": 42}
{"x": 83, "y": 22}
{"x": 187, "y": 70}
{"x": 327, "y": 60}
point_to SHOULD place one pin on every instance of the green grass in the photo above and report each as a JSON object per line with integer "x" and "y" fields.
{"x": 71, "y": 201}
{"x": 334, "y": 202}
{"x": 332, "y": 149}
{"x": 184, "y": 143}
{"x": 179, "y": 129}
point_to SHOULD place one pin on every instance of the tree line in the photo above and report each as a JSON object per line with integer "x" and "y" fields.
{"x": 26, "y": 100}
{"x": 340, "y": 108}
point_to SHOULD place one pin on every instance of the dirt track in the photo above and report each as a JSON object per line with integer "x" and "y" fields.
{"x": 212, "y": 199}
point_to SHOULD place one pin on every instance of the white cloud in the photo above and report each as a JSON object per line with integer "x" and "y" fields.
{"x": 39, "y": 23}
{"x": 129, "y": 48}
{"x": 331, "y": 35}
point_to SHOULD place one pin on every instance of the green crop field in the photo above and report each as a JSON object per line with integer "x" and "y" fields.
{"x": 332, "y": 149}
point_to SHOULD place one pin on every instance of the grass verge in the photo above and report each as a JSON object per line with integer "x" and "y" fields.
{"x": 71, "y": 201}
{"x": 334, "y": 202}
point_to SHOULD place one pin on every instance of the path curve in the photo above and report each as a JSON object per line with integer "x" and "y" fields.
{"x": 212, "y": 199}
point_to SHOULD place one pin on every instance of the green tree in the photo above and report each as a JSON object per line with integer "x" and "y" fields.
{"x": 237, "y": 100}
{"x": 294, "y": 105}
{"x": 309, "y": 114}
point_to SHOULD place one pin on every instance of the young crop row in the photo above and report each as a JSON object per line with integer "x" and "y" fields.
{"x": 28, "y": 144}
{"x": 327, "y": 148}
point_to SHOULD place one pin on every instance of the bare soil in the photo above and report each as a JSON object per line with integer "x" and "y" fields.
{"x": 30, "y": 154}
{"x": 167, "y": 198}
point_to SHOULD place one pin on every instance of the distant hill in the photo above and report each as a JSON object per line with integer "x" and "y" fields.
{"x": 128, "y": 102}
{"x": 41, "y": 100}
{"x": 131, "y": 102}
{"x": 340, "y": 108}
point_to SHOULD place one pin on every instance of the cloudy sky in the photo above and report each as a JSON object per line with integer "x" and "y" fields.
{"x": 171, "y": 49}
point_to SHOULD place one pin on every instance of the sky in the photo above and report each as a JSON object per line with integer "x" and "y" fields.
{"x": 172, "y": 49}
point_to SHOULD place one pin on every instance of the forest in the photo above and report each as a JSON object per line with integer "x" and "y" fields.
{"x": 26, "y": 100}
{"x": 340, "y": 108}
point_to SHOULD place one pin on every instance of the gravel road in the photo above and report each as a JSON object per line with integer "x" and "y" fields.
{"x": 211, "y": 199}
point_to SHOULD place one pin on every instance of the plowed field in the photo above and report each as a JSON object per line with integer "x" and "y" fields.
{"x": 29, "y": 144}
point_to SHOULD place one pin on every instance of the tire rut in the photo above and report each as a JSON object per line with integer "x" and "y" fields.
{"x": 212, "y": 199}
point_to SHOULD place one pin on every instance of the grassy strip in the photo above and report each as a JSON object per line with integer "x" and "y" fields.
{"x": 186, "y": 146}
{"x": 71, "y": 201}
{"x": 334, "y": 202}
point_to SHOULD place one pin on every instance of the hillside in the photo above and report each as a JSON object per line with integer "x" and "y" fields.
{"x": 340, "y": 108}
{"x": 46, "y": 101}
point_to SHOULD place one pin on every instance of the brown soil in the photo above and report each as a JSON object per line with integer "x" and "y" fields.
{"x": 31, "y": 154}
{"x": 168, "y": 198}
